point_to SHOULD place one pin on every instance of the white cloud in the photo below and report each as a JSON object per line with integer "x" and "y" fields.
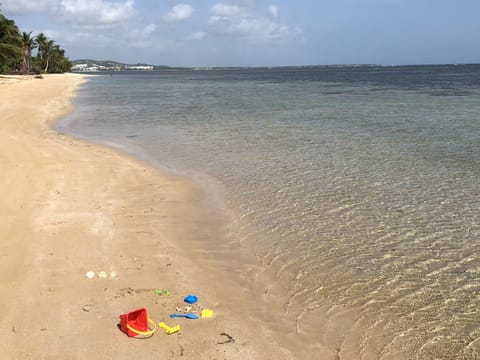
{"x": 179, "y": 12}
{"x": 87, "y": 13}
{"x": 227, "y": 10}
{"x": 243, "y": 22}
{"x": 26, "y": 6}
{"x": 149, "y": 29}
{"x": 93, "y": 39}
{"x": 200, "y": 35}
{"x": 273, "y": 10}
{"x": 95, "y": 12}
{"x": 247, "y": 3}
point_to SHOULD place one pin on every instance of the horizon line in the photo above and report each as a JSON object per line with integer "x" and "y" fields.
{"x": 277, "y": 66}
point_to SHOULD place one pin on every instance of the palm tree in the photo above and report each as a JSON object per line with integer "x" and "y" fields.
{"x": 28, "y": 44}
{"x": 45, "y": 48}
{"x": 10, "y": 44}
{"x": 48, "y": 50}
{"x": 16, "y": 50}
{"x": 58, "y": 62}
{"x": 41, "y": 40}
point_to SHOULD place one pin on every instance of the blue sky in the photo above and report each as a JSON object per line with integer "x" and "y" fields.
{"x": 257, "y": 32}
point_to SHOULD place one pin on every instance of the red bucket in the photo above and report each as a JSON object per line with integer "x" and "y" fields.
{"x": 136, "y": 323}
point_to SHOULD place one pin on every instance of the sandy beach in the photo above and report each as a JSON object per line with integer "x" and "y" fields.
{"x": 69, "y": 207}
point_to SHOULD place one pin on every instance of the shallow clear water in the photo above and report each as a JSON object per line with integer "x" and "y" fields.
{"x": 356, "y": 189}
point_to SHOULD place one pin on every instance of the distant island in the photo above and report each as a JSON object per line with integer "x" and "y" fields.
{"x": 89, "y": 65}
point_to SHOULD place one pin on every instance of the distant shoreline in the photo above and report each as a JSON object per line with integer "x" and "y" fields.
{"x": 119, "y": 67}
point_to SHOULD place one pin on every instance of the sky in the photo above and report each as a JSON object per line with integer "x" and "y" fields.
{"x": 257, "y": 32}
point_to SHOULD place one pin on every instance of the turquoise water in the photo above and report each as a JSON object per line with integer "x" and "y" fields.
{"x": 354, "y": 189}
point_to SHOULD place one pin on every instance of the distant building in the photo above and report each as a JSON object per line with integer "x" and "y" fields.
{"x": 79, "y": 67}
{"x": 109, "y": 67}
{"x": 88, "y": 67}
{"x": 138, "y": 67}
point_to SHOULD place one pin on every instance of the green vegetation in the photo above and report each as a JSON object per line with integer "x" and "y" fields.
{"x": 16, "y": 52}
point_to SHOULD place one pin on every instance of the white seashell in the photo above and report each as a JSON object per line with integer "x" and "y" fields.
{"x": 90, "y": 275}
{"x": 102, "y": 274}
{"x": 113, "y": 274}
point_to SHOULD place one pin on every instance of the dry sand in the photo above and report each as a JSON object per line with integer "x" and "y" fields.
{"x": 69, "y": 207}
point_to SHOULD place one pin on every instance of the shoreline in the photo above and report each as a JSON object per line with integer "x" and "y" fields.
{"x": 72, "y": 207}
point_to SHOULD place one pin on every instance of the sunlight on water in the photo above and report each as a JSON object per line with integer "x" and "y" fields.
{"x": 358, "y": 195}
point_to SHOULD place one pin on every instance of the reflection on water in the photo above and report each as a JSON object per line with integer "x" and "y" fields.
{"x": 358, "y": 193}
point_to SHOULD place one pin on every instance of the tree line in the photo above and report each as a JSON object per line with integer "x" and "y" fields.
{"x": 17, "y": 51}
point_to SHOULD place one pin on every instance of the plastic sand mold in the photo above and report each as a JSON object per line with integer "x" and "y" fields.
{"x": 169, "y": 330}
{"x": 137, "y": 323}
{"x": 206, "y": 313}
{"x": 191, "y": 299}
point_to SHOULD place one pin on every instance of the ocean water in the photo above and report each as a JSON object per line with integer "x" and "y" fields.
{"x": 353, "y": 193}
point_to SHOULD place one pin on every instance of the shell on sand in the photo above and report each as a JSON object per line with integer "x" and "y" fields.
{"x": 90, "y": 275}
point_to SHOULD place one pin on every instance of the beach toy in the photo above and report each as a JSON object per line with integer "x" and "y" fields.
{"x": 191, "y": 299}
{"x": 136, "y": 323}
{"x": 169, "y": 330}
{"x": 163, "y": 292}
{"x": 188, "y": 316}
{"x": 206, "y": 313}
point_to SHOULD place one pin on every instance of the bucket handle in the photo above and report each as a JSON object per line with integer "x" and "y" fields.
{"x": 145, "y": 333}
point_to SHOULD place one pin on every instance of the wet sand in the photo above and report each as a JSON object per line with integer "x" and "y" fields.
{"x": 69, "y": 207}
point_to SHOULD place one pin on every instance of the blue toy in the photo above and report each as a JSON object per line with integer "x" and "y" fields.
{"x": 188, "y": 316}
{"x": 191, "y": 299}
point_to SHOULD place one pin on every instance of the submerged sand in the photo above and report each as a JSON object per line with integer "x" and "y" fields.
{"x": 69, "y": 207}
